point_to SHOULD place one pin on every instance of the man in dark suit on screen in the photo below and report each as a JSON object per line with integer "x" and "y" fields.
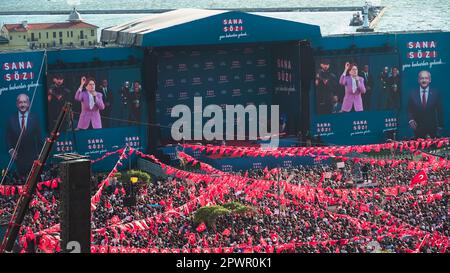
{"x": 108, "y": 100}
{"x": 368, "y": 82}
{"x": 425, "y": 108}
{"x": 30, "y": 143}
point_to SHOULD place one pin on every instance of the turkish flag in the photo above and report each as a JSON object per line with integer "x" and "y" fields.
{"x": 103, "y": 249}
{"x": 226, "y": 232}
{"x": 191, "y": 238}
{"x": 228, "y": 250}
{"x": 196, "y": 250}
{"x": 36, "y": 215}
{"x": 274, "y": 238}
{"x": 54, "y": 184}
{"x": 201, "y": 227}
{"x": 33, "y": 203}
{"x": 420, "y": 178}
{"x": 94, "y": 249}
{"x": 206, "y": 250}
{"x": 269, "y": 249}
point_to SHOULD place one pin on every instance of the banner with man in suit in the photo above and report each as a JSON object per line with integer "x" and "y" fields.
{"x": 22, "y": 121}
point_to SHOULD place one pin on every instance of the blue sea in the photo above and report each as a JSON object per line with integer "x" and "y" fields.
{"x": 400, "y": 15}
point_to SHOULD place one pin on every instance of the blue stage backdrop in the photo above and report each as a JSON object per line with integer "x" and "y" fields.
{"x": 20, "y": 75}
{"x": 220, "y": 75}
{"x": 286, "y": 90}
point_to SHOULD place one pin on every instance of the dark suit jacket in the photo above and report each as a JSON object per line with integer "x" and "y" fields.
{"x": 368, "y": 82}
{"x": 107, "y": 98}
{"x": 30, "y": 144}
{"x": 428, "y": 118}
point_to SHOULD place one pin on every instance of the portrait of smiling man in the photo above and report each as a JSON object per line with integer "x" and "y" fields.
{"x": 425, "y": 115}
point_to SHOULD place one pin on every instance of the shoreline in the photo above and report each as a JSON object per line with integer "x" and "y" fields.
{"x": 146, "y": 11}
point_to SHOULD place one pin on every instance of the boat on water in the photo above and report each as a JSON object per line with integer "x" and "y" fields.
{"x": 372, "y": 13}
{"x": 356, "y": 20}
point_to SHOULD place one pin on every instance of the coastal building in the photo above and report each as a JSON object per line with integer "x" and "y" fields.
{"x": 74, "y": 32}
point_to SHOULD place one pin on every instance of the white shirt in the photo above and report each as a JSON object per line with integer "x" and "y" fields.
{"x": 105, "y": 91}
{"x": 20, "y": 119}
{"x": 427, "y": 92}
{"x": 354, "y": 85}
{"x": 91, "y": 101}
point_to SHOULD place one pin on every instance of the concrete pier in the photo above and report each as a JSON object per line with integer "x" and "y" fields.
{"x": 144, "y": 11}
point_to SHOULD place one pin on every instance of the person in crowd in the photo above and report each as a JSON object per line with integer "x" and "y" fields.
{"x": 336, "y": 219}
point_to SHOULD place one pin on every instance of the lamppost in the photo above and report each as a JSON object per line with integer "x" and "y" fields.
{"x": 279, "y": 194}
{"x": 132, "y": 193}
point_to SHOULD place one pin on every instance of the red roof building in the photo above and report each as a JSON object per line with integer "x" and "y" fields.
{"x": 74, "y": 32}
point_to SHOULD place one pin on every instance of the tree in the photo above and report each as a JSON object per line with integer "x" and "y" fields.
{"x": 143, "y": 177}
{"x": 209, "y": 214}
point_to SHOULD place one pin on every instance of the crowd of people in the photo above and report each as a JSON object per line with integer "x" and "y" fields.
{"x": 341, "y": 216}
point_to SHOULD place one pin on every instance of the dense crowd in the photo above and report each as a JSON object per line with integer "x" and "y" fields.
{"x": 342, "y": 216}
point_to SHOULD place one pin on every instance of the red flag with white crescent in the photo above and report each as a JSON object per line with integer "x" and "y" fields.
{"x": 420, "y": 178}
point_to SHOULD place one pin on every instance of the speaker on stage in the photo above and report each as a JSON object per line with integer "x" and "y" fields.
{"x": 75, "y": 209}
{"x": 307, "y": 68}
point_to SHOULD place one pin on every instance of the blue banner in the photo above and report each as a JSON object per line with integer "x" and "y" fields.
{"x": 22, "y": 104}
{"x": 221, "y": 76}
{"x": 428, "y": 53}
{"x": 286, "y": 90}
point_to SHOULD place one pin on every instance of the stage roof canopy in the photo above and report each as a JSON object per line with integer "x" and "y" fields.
{"x": 206, "y": 27}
